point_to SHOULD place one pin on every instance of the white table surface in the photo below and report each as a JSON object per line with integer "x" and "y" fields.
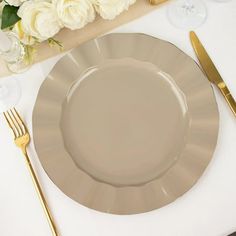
{"x": 208, "y": 209}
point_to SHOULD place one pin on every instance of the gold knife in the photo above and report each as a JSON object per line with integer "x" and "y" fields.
{"x": 211, "y": 71}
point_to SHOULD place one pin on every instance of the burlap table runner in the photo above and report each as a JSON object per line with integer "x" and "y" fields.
{"x": 71, "y": 39}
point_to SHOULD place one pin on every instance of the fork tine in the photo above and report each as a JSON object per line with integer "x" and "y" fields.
{"x": 20, "y": 121}
{"x": 11, "y": 125}
{"x": 16, "y": 122}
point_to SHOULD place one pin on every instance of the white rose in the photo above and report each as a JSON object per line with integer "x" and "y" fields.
{"x": 23, "y": 37}
{"x": 75, "y": 14}
{"x": 15, "y": 3}
{"x": 109, "y": 9}
{"x": 2, "y": 4}
{"x": 39, "y": 19}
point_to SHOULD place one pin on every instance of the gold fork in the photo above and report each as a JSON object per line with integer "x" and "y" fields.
{"x": 22, "y": 139}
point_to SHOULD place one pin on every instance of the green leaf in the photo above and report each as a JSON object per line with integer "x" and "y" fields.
{"x": 9, "y": 16}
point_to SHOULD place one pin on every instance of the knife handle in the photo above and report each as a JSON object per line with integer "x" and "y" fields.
{"x": 228, "y": 97}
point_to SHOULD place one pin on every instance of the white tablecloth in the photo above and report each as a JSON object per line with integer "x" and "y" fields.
{"x": 208, "y": 209}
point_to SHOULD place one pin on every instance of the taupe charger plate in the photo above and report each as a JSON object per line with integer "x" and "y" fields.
{"x": 125, "y": 123}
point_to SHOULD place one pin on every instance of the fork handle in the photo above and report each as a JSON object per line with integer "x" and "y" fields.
{"x": 40, "y": 194}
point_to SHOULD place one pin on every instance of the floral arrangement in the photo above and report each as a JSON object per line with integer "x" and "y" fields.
{"x": 35, "y": 21}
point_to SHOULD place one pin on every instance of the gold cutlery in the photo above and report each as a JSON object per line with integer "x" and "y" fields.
{"x": 22, "y": 139}
{"x": 211, "y": 71}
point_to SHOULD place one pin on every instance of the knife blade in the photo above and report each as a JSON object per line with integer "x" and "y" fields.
{"x": 210, "y": 70}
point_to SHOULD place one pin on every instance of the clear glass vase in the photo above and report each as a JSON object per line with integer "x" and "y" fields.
{"x": 10, "y": 90}
{"x": 15, "y": 55}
